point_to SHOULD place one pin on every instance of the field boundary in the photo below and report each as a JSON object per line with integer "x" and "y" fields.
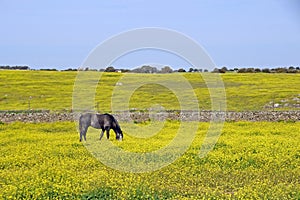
{"x": 125, "y": 116}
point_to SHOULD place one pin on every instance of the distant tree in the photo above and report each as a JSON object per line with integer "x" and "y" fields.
{"x": 15, "y": 67}
{"x": 216, "y": 70}
{"x": 70, "y": 69}
{"x": 145, "y": 69}
{"x": 224, "y": 69}
{"x": 281, "y": 70}
{"x": 48, "y": 69}
{"x": 191, "y": 69}
{"x": 242, "y": 70}
{"x": 250, "y": 70}
{"x": 291, "y": 69}
{"x": 22, "y": 67}
{"x": 257, "y": 70}
{"x": 125, "y": 70}
{"x": 266, "y": 70}
{"x": 4, "y": 67}
{"x": 166, "y": 69}
{"x": 82, "y": 68}
{"x": 110, "y": 69}
{"x": 181, "y": 70}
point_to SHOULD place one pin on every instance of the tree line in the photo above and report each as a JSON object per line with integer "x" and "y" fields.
{"x": 290, "y": 69}
{"x": 168, "y": 69}
{"x": 15, "y": 67}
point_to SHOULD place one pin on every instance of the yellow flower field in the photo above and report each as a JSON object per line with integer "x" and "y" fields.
{"x": 252, "y": 160}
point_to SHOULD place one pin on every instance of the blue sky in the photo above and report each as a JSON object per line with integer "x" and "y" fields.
{"x": 235, "y": 33}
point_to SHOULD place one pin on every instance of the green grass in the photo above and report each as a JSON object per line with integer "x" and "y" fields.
{"x": 250, "y": 161}
{"x": 44, "y": 90}
{"x": 21, "y": 90}
{"x": 252, "y": 92}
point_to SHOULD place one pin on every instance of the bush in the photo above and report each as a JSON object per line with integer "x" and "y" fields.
{"x": 257, "y": 70}
{"x": 110, "y": 69}
{"x": 266, "y": 70}
{"x": 181, "y": 70}
{"x": 242, "y": 70}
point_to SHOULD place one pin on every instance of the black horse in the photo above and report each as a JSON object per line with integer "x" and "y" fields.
{"x": 103, "y": 121}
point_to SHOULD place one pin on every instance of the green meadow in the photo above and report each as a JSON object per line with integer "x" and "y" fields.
{"x": 53, "y": 90}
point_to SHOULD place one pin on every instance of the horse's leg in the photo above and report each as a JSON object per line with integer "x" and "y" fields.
{"x": 83, "y": 133}
{"x": 80, "y": 130}
{"x": 83, "y": 130}
{"x": 107, "y": 132}
{"x": 117, "y": 134}
{"x": 101, "y": 134}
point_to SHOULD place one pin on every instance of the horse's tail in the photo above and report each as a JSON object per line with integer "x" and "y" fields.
{"x": 80, "y": 127}
{"x": 80, "y": 122}
{"x": 84, "y": 120}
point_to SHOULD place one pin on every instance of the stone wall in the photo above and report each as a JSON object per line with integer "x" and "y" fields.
{"x": 203, "y": 116}
{"x": 35, "y": 117}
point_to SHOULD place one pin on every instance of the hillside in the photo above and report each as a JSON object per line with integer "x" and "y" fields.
{"x": 53, "y": 90}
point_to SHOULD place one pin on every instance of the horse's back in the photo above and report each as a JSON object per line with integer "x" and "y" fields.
{"x": 85, "y": 118}
{"x": 105, "y": 120}
{"x": 89, "y": 119}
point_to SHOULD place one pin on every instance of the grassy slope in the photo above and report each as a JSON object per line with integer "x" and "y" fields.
{"x": 251, "y": 160}
{"x": 252, "y": 92}
{"x": 48, "y": 90}
{"x": 53, "y": 90}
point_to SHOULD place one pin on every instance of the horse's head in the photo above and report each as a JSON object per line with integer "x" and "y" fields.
{"x": 119, "y": 136}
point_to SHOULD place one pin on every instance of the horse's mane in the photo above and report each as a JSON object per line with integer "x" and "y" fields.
{"x": 115, "y": 122}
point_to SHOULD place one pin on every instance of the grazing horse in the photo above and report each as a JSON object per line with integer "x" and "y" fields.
{"x": 99, "y": 121}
